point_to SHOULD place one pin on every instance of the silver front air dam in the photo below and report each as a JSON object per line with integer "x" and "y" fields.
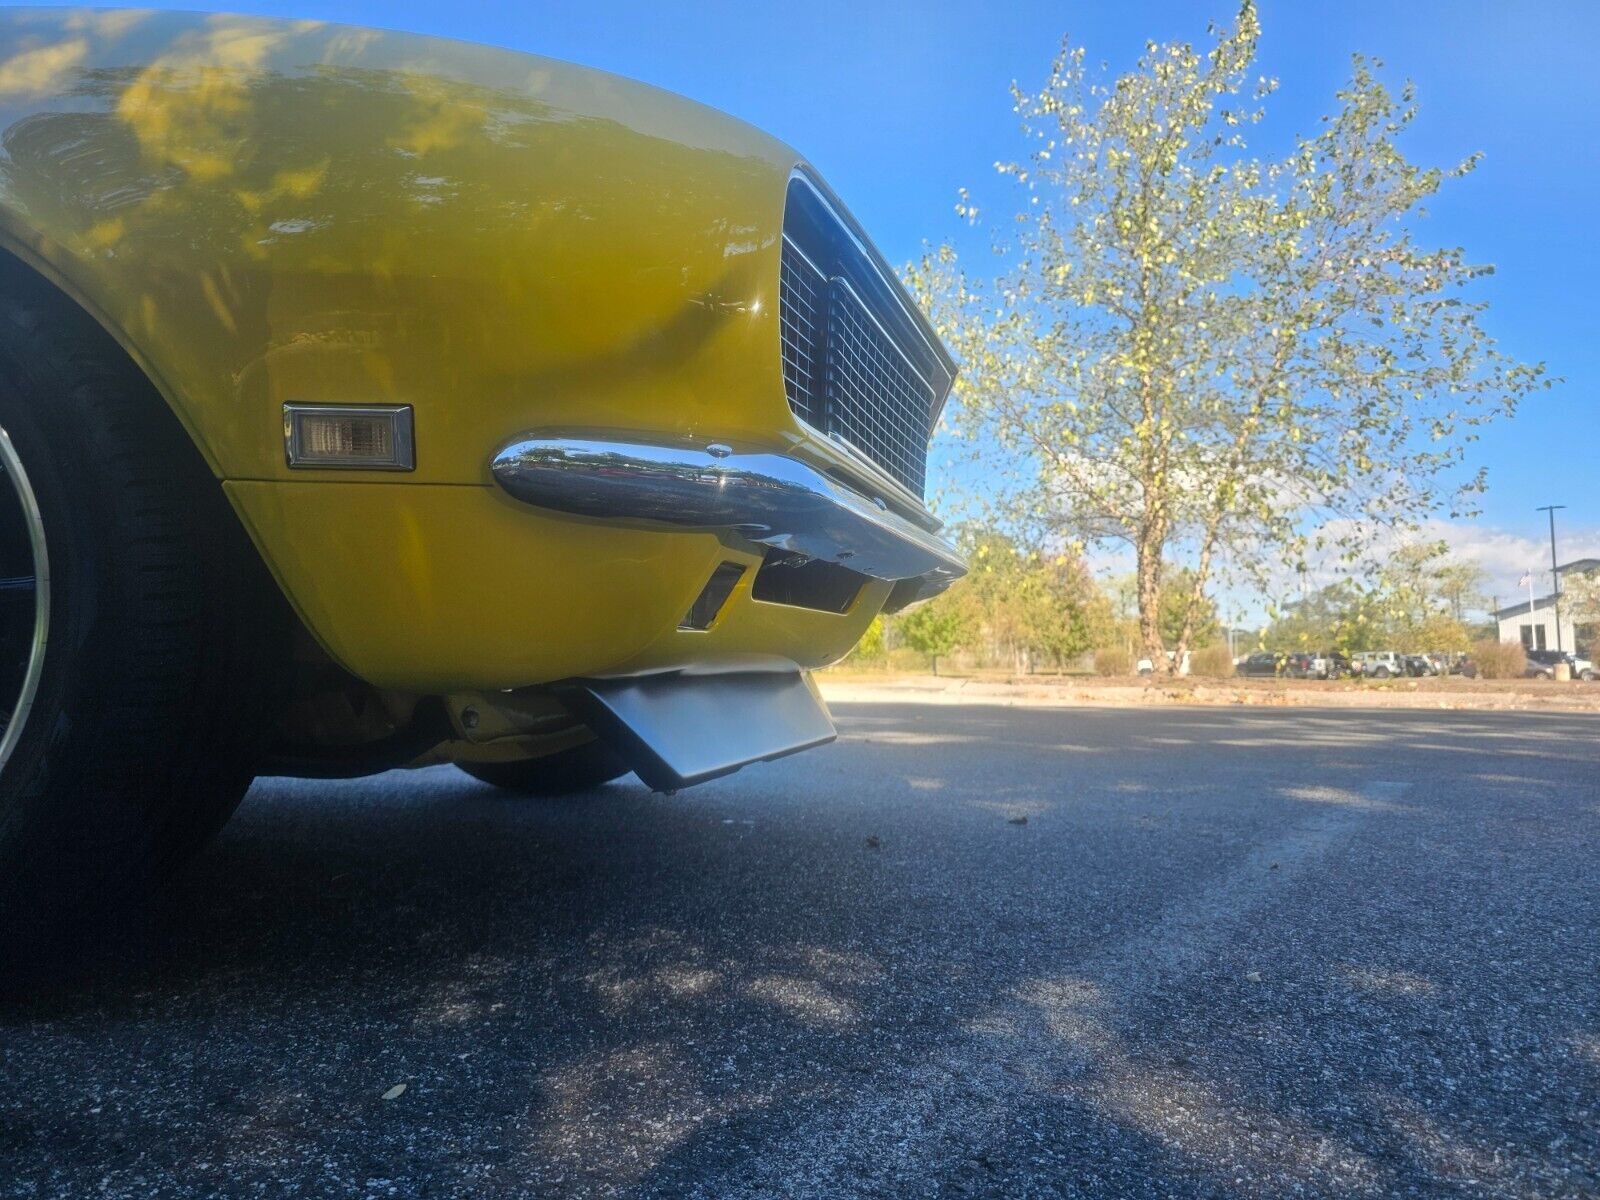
{"x": 770, "y": 499}
{"x": 679, "y": 728}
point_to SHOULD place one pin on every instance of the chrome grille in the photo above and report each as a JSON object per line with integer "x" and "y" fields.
{"x": 846, "y": 377}
{"x": 802, "y": 308}
{"x": 876, "y": 401}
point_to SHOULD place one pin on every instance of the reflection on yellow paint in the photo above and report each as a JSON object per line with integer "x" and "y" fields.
{"x": 190, "y": 108}
{"x": 442, "y": 117}
{"x": 104, "y": 234}
{"x": 107, "y": 25}
{"x": 37, "y": 72}
{"x": 219, "y": 308}
{"x": 289, "y": 184}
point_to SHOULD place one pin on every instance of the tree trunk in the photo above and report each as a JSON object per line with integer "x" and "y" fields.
{"x": 1196, "y": 596}
{"x": 1148, "y": 577}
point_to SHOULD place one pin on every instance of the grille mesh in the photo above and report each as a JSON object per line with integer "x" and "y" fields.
{"x": 802, "y": 308}
{"x": 876, "y": 402}
{"x": 846, "y": 378}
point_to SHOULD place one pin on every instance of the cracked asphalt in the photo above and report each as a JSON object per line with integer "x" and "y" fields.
{"x": 967, "y": 951}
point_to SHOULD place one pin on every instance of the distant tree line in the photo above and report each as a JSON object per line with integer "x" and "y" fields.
{"x": 1416, "y": 601}
{"x": 1031, "y": 608}
{"x": 1028, "y": 608}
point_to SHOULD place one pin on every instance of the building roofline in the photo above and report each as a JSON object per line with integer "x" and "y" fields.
{"x": 1520, "y": 608}
{"x": 1545, "y": 601}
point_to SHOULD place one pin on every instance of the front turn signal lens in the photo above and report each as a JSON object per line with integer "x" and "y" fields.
{"x": 375, "y": 437}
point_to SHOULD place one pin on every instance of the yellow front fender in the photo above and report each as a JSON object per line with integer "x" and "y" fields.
{"x": 269, "y": 212}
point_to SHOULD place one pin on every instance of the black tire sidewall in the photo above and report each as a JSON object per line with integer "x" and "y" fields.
{"x": 42, "y": 762}
{"x": 167, "y": 639}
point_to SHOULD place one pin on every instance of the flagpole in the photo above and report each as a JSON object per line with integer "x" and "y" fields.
{"x": 1527, "y": 581}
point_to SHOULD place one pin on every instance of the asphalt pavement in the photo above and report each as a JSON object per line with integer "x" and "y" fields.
{"x": 966, "y": 951}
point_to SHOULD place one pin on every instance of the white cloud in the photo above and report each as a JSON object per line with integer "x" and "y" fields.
{"x": 1505, "y": 556}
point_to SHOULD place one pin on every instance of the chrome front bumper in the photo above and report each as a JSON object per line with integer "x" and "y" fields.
{"x": 770, "y": 499}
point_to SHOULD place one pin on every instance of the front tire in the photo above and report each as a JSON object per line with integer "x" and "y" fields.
{"x": 152, "y": 682}
{"x": 579, "y": 769}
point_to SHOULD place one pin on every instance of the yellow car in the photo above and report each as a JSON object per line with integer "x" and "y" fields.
{"x": 371, "y": 401}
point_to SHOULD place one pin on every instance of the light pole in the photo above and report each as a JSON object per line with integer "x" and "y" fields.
{"x": 1555, "y": 574}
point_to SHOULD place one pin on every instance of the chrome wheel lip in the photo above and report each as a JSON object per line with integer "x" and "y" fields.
{"x": 11, "y": 464}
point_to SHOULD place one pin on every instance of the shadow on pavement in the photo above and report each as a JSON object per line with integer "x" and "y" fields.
{"x": 1225, "y": 953}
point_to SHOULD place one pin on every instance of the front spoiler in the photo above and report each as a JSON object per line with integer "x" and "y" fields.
{"x": 770, "y": 499}
{"x": 680, "y": 728}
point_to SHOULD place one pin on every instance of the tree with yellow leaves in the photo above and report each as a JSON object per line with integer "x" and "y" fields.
{"x": 1199, "y": 353}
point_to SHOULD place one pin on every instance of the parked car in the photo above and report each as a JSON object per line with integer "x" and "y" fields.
{"x": 1419, "y": 665}
{"x": 1262, "y": 663}
{"x": 1322, "y": 666}
{"x": 1542, "y": 665}
{"x": 1309, "y": 665}
{"x": 374, "y": 401}
{"x": 1377, "y": 664}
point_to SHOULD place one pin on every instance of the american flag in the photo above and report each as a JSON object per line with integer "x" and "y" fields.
{"x": 1527, "y": 578}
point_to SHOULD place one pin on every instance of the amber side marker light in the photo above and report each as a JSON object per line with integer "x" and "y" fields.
{"x": 370, "y": 437}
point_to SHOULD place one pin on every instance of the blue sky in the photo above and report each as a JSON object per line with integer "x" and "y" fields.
{"x": 901, "y": 104}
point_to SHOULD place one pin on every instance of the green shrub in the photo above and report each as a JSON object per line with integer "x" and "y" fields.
{"x": 1213, "y": 662}
{"x": 1499, "y": 660}
{"x": 871, "y": 647}
{"x": 1113, "y": 660}
{"x": 937, "y": 628}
